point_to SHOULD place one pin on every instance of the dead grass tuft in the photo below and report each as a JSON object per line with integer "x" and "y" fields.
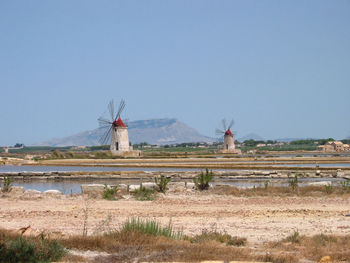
{"x": 125, "y": 246}
{"x": 314, "y": 191}
{"x": 220, "y": 237}
{"x": 315, "y": 247}
{"x": 281, "y": 257}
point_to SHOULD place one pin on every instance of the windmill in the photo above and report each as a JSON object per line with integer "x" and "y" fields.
{"x": 229, "y": 140}
{"x": 115, "y": 130}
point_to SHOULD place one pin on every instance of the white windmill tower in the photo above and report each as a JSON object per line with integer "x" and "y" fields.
{"x": 116, "y": 130}
{"x": 229, "y": 140}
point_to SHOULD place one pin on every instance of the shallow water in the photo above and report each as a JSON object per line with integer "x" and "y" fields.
{"x": 314, "y": 165}
{"x": 73, "y": 186}
{"x": 39, "y": 168}
{"x": 33, "y": 168}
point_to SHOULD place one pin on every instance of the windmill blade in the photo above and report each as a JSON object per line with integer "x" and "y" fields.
{"x": 102, "y": 122}
{"x": 224, "y": 124}
{"x": 111, "y": 109}
{"x": 231, "y": 124}
{"x": 219, "y": 132}
{"x": 105, "y": 127}
{"x": 121, "y": 108}
{"x": 104, "y": 139}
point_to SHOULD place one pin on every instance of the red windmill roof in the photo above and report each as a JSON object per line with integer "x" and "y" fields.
{"x": 228, "y": 132}
{"x": 119, "y": 123}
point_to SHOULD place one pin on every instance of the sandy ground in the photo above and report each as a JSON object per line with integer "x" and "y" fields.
{"x": 258, "y": 219}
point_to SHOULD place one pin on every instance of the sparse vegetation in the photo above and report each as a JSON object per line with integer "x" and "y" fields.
{"x": 220, "y": 237}
{"x": 329, "y": 188}
{"x": 293, "y": 238}
{"x": 293, "y": 183}
{"x": 15, "y": 248}
{"x": 56, "y": 154}
{"x": 126, "y": 246}
{"x": 345, "y": 185}
{"x": 162, "y": 183}
{"x": 202, "y": 181}
{"x": 315, "y": 247}
{"x": 141, "y": 238}
{"x": 103, "y": 155}
{"x": 148, "y": 240}
{"x": 86, "y": 216}
{"x": 109, "y": 192}
{"x": 144, "y": 194}
{"x": 150, "y": 227}
{"x": 6, "y": 187}
{"x": 278, "y": 191}
{"x": 266, "y": 184}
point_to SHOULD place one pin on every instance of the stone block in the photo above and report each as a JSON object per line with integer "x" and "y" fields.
{"x": 16, "y": 190}
{"x": 32, "y": 192}
{"x": 190, "y": 185}
{"x": 53, "y": 192}
{"x": 123, "y": 186}
{"x": 320, "y": 183}
{"x": 149, "y": 186}
{"x": 340, "y": 173}
{"x": 92, "y": 190}
{"x": 134, "y": 187}
{"x": 31, "y": 195}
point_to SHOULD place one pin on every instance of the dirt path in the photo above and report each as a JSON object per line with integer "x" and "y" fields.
{"x": 257, "y": 219}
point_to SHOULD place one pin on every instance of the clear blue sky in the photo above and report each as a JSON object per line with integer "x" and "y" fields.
{"x": 279, "y": 68}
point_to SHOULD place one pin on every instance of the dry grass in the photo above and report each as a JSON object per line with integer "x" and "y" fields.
{"x": 315, "y": 247}
{"x": 126, "y": 246}
{"x": 134, "y": 246}
{"x": 279, "y": 257}
{"x": 138, "y": 247}
{"x": 73, "y": 258}
{"x": 221, "y": 237}
{"x": 314, "y": 191}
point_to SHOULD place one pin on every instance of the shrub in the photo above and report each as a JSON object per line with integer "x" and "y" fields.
{"x": 203, "y": 180}
{"x": 323, "y": 240}
{"x": 293, "y": 238}
{"x": 219, "y": 237}
{"x": 345, "y": 185}
{"x": 109, "y": 192}
{"x": 329, "y": 188}
{"x": 6, "y": 185}
{"x": 29, "y": 250}
{"x": 293, "y": 183}
{"x": 266, "y": 184}
{"x": 56, "y": 154}
{"x": 150, "y": 227}
{"x": 69, "y": 155}
{"x": 144, "y": 194}
{"x": 104, "y": 155}
{"x": 162, "y": 183}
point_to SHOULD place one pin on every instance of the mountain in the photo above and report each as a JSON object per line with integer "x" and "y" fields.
{"x": 154, "y": 131}
{"x": 289, "y": 139}
{"x": 251, "y": 136}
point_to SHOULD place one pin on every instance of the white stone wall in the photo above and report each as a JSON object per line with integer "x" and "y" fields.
{"x": 229, "y": 143}
{"x": 120, "y": 139}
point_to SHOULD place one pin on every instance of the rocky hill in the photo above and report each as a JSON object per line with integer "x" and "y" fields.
{"x": 154, "y": 131}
